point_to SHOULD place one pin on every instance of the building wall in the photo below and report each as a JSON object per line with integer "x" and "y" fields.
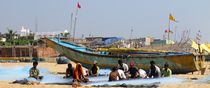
{"x": 148, "y": 40}
{"x": 45, "y": 52}
{"x": 27, "y": 51}
{"x": 158, "y": 43}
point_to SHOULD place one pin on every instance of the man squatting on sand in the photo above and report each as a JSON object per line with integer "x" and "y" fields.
{"x": 69, "y": 71}
{"x": 34, "y": 72}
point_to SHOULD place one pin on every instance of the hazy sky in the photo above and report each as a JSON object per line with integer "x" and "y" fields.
{"x": 108, "y": 17}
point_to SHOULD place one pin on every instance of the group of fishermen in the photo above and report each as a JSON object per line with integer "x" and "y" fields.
{"x": 120, "y": 72}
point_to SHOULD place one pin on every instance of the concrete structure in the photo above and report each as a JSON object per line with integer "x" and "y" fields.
{"x": 27, "y": 51}
{"x": 3, "y": 39}
{"x": 149, "y": 40}
{"x": 24, "y": 31}
{"x": 159, "y": 42}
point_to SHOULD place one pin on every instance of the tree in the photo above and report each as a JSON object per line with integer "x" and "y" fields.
{"x": 183, "y": 45}
{"x": 66, "y": 34}
{"x": 1, "y": 43}
{"x": 10, "y": 36}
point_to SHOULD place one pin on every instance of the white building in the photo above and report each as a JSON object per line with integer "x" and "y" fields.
{"x": 66, "y": 31}
{"x": 24, "y": 31}
{"x": 3, "y": 39}
{"x": 148, "y": 40}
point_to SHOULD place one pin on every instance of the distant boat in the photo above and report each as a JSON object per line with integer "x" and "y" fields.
{"x": 180, "y": 62}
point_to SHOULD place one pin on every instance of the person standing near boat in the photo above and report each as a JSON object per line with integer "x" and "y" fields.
{"x": 154, "y": 71}
{"x": 122, "y": 66}
{"x": 94, "y": 71}
{"x": 166, "y": 72}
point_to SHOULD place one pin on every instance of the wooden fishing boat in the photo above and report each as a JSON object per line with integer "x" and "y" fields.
{"x": 180, "y": 62}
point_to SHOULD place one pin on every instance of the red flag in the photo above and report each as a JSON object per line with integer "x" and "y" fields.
{"x": 168, "y": 31}
{"x": 78, "y": 5}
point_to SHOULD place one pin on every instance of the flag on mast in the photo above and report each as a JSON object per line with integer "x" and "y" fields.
{"x": 172, "y": 18}
{"x": 78, "y": 5}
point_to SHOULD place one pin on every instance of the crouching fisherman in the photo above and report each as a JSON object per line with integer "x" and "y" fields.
{"x": 133, "y": 71}
{"x": 154, "y": 70}
{"x": 122, "y": 66}
{"x": 116, "y": 74}
{"x": 79, "y": 74}
{"x": 94, "y": 71}
{"x": 34, "y": 72}
{"x": 166, "y": 72}
{"x": 69, "y": 71}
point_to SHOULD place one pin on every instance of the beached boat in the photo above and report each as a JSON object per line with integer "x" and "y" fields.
{"x": 180, "y": 62}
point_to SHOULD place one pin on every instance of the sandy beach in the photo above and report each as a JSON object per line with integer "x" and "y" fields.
{"x": 57, "y": 68}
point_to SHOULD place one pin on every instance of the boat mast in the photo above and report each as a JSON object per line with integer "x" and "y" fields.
{"x": 77, "y": 9}
{"x": 36, "y": 25}
{"x": 169, "y": 28}
{"x": 131, "y": 33}
{"x": 70, "y": 30}
{"x": 198, "y": 40}
{"x": 74, "y": 28}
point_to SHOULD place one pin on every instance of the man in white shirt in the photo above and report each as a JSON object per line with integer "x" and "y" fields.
{"x": 154, "y": 70}
{"x": 122, "y": 74}
{"x": 142, "y": 73}
{"x": 122, "y": 66}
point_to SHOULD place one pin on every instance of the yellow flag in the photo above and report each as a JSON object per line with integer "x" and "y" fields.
{"x": 208, "y": 45}
{"x": 172, "y": 18}
{"x": 194, "y": 45}
{"x": 205, "y": 47}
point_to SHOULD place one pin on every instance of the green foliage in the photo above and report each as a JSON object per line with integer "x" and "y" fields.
{"x": 2, "y": 43}
{"x": 11, "y": 40}
{"x": 66, "y": 34}
{"x": 10, "y": 36}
